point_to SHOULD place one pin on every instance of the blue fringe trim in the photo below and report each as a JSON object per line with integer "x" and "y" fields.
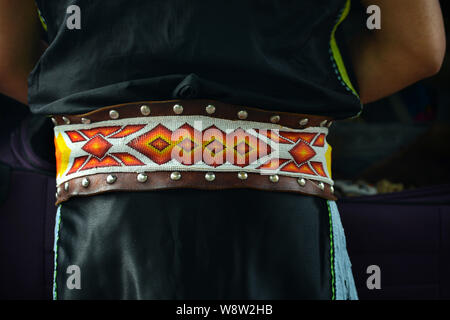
{"x": 345, "y": 288}
{"x": 55, "y": 249}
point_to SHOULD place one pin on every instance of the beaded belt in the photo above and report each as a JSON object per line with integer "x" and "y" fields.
{"x": 202, "y": 144}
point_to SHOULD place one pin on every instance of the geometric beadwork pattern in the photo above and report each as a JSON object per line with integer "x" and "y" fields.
{"x": 196, "y": 143}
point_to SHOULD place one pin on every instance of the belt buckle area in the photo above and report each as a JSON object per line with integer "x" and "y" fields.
{"x": 201, "y": 144}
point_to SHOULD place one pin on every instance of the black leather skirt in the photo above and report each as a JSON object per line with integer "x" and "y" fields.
{"x": 194, "y": 244}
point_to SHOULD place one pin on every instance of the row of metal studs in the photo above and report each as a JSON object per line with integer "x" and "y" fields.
{"x": 178, "y": 109}
{"x": 175, "y": 176}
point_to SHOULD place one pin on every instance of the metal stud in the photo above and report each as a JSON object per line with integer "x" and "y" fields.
{"x": 85, "y": 182}
{"x": 54, "y": 121}
{"x": 323, "y": 123}
{"x": 242, "y": 175}
{"x": 142, "y": 177}
{"x": 175, "y": 176}
{"x": 145, "y": 110}
{"x": 275, "y": 178}
{"x": 332, "y": 189}
{"x": 56, "y": 195}
{"x": 275, "y": 119}
{"x": 113, "y": 114}
{"x": 66, "y": 120}
{"x": 210, "y": 109}
{"x": 111, "y": 179}
{"x": 85, "y": 120}
{"x": 303, "y": 122}
{"x": 66, "y": 186}
{"x": 178, "y": 109}
{"x": 58, "y": 191}
{"x": 242, "y": 114}
{"x": 301, "y": 182}
{"x": 210, "y": 176}
{"x": 321, "y": 186}
{"x": 329, "y": 123}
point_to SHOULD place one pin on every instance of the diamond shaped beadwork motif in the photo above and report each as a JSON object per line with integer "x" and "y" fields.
{"x": 152, "y": 146}
{"x": 97, "y": 146}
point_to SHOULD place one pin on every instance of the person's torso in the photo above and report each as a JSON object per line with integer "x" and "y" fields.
{"x": 272, "y": 54}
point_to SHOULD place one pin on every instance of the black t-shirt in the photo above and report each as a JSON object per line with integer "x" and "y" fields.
{"x": 271, "y": 54}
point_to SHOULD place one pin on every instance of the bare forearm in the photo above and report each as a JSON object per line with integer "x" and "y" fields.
{"x": 409, "y": 46}
{"x": 20, "y": 46}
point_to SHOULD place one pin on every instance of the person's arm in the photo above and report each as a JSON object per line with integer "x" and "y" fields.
{"x": 20, "y": 46}
{"x": 409, "y": 47}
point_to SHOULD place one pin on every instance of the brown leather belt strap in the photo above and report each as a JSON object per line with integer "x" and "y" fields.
{"x": 195, "y": 107}
{"x": 200, "y": 144}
